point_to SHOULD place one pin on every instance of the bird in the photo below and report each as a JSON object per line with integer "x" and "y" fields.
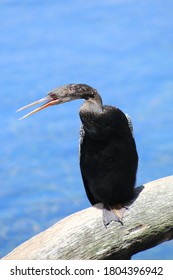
{"x": 107, "y": 149}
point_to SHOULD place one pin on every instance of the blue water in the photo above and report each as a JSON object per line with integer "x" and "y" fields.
{"x": 122, "y": 48}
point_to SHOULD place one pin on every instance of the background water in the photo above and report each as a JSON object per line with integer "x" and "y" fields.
{"x": 122, "y": 48}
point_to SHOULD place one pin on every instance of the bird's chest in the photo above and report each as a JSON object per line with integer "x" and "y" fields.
{"x": 98, "y": 154}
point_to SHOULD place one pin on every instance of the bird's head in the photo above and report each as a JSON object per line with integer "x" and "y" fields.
{"x": 63, "y": 94}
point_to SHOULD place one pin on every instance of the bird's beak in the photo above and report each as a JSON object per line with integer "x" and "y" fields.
{"x": 49, "y": 102}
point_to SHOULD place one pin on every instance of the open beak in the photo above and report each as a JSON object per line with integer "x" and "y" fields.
{"x": 49, "y": 102}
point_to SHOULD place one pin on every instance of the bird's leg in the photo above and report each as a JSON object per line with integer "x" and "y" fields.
{"x": 113, "y": 213}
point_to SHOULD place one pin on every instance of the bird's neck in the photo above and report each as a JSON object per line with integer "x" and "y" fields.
{"x": 92, "y": 105}
{"x": 90, "y": 111}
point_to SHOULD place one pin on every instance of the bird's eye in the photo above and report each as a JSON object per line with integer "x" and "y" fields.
{"x": 52, "y": 95}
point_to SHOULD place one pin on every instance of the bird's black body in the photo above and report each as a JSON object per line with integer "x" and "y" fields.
{"x": 108, "y": 156}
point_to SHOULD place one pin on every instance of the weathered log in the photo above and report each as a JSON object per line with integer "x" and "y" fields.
{"x": 148, "y": 222}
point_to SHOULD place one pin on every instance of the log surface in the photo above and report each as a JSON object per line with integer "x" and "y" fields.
{"x": 148, "y": 222}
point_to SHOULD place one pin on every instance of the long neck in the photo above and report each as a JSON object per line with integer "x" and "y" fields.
{"x": 90, "y": 111}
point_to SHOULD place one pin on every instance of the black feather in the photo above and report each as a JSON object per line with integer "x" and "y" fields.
{"x": 108, "y": 156}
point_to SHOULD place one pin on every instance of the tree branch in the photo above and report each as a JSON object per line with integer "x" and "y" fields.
{"x": 82, "y": 235}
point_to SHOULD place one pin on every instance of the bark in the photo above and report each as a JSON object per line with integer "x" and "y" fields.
{"x": 148, "y": 222}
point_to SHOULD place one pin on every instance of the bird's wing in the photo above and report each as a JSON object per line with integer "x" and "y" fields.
{"x": 81, "y": 138}
{"x": 85, "y": 181}
{"x": 129, "y": 123}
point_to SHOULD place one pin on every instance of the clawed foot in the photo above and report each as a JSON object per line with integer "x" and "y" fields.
{"x": 114, "y": 213}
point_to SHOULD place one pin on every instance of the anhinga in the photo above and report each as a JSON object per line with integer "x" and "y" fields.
{"x": 108, "y": 155}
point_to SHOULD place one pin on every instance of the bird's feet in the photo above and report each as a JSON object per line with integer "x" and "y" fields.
{"x": 113, "y": 213}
